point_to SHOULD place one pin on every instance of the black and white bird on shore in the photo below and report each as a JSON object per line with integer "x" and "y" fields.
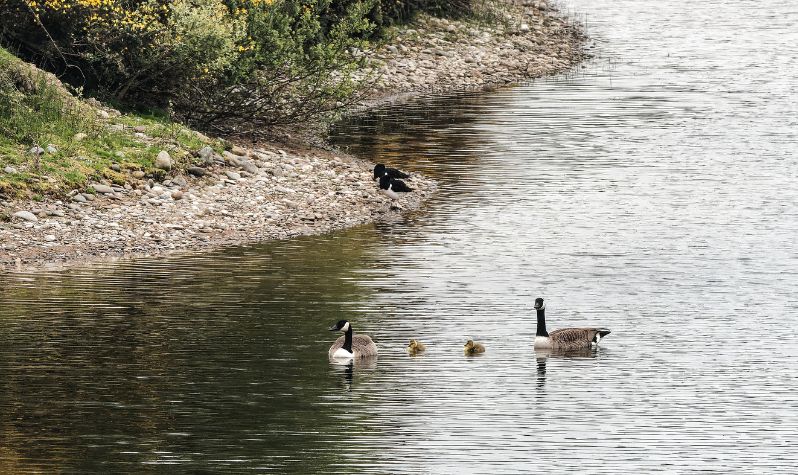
{"x": 391, "y": 187}
{"x": 381, "y": 170}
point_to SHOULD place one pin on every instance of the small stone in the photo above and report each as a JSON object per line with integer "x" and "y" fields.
{"x": 36, "y": 150}
{"x": 51, "y": 148}
{"x": 140, "y": 129}
{"x": 177, "y": 195}
{"x": 115, "y": 167}
{"x": 239, "y": 151}
{"x": 232, "y": 158}
{"x": 102, "y": 188}
{"x": 79, "y": 137}
{"x": 138, "y": 174}
{"x": 524, "y": 28}
{"x": 196, "y": 171}
{"x": 163, "y": 161}
{"x": 89, "y": 196}
{"x": 232, "y": 175}
{"x": 206, "y": 154}
{"x": 179, "y": 181}
{"x": 26, "y": 215}
{"x": 103, "y": 115}
{"x": 79, "y": 198}
{"x": 49, "y": 237}
{"x": 10, "y": 169}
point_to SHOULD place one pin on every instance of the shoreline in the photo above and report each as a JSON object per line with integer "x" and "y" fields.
{"x": 269, "y": 191}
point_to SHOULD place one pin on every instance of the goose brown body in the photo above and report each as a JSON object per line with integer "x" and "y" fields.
{"x": 565, "y": 339}
{"x": 575, "y": 338}
{"x": 362, "y": 346}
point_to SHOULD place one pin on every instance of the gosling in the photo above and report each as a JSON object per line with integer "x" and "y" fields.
{"x": 472, "y": 348}
{"x": 415, "y": 347}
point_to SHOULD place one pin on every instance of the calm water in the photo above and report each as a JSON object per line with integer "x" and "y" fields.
{"x": 652, "y": 192}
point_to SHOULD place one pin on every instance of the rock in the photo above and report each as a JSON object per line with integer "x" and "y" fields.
{"x": 26, "y": 215}
{"x": 393, "y": 49}
{"x": 177, "y": 195}
{"x": 523, "y": 28}
{"x": 51, "y": 148}
{"x": 179, "y": 181}
{"x": 232, "y": 175}
{"x": 239, "y": 151}
{"x": 102, "y": 188}
{"x": 49, "y": 237}
{"x": 88, "y": 196}
{"x": 103, "y": 115}
{"x": 196, "y": 171}
{"x": 115, "y": 167}
{"x": 79, "y": 198}
{"x": 163, "y": 161}
{"x": 232, "y": 158}
{"x": 10, "y": 169}
{"x": 36, "y": 150}
{"x": 247, "y": 165}
{"x": 138, "y": 174}
{"x": 206, "y": 153}
{"x": 140, "y": 129}
{"x": 79, "y": 137}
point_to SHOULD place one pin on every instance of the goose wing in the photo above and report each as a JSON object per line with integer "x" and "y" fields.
{"x": 576, "y": 337}
{"x": 363, "y": 346}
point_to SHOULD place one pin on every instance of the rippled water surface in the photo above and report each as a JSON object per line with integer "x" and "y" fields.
{"x": 652, "y": 192}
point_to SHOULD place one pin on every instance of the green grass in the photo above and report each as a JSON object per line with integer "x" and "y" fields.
{"x": 35, "y": 109}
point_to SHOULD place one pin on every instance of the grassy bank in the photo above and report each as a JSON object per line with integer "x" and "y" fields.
{"x": 52, "y": 143}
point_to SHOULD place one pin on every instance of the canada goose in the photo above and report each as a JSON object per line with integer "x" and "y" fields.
{"x": 472, "y": 348}
{"x": 565, "y": 339}
{"x": 381, "y": 170}
{"x": 348, "y": 346}
{"x": 391, "y": 187}
{"x": 415, "y": 347}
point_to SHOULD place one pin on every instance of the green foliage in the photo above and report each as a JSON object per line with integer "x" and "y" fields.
{"x": 35, "y": 110}
{"x": 227, "y": 65}
{"x": 291, "y": 68}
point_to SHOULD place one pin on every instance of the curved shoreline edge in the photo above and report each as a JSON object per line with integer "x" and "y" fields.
{"x": 275, "y": 192}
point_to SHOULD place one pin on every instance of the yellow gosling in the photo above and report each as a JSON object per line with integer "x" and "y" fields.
{"x": 415, "y": 347}
{"x": 472, "y": 348}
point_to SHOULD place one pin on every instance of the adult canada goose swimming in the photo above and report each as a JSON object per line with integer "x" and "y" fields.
{"x": 391, "y": 187}
{"x": 471, "y": 348}
{"x": 381, "y": 170}
{"x": 415, "y": 347}
{"x": 349, "y": 346}
{"x": 565, "y": 339}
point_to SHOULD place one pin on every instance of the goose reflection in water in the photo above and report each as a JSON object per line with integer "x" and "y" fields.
{"x": 543, "y": 354}
{"x": 346, "y": 369}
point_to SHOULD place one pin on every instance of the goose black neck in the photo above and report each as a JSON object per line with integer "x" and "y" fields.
{"x": 542, "y": 323}
{"x": 348, "y": 339}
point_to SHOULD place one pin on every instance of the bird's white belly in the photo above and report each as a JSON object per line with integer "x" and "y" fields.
{"x": 390, "y": 194}
{"x": 342, "y": 353}
{"x": 542, "y": 342}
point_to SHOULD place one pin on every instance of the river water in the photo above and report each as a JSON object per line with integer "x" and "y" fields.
{"x": 651, "y": 191}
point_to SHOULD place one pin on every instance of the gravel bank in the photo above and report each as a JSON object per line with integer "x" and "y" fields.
{"x": 251, "y": 195}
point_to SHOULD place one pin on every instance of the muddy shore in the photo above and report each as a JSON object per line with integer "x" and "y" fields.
{"x": 247, "y": 195}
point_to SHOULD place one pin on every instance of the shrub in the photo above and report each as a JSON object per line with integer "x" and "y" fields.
{"x": 222, "y": 64}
